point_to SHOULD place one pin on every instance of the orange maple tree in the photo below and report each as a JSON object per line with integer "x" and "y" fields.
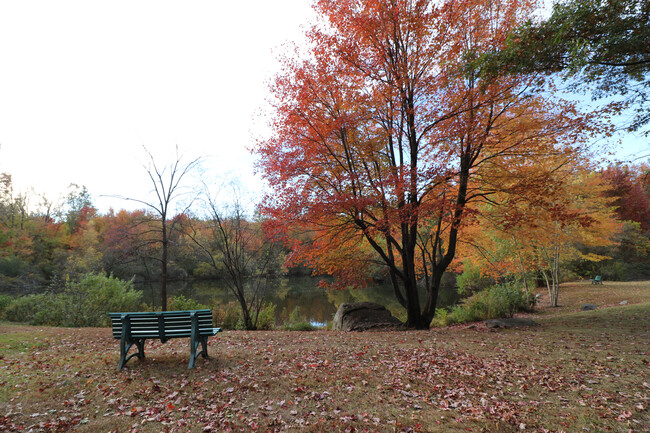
{"x": 538, "y": 234}
{"x": 386, "y": 139}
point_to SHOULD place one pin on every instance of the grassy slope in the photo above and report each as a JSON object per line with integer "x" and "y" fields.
{"x": 578, "y": 371}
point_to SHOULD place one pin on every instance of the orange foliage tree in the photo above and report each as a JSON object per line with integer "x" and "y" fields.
{"x": 538, "y": 234}
{"x": 386, "y": 140}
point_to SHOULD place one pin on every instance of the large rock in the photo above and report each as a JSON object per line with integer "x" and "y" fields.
{"x": 589, "y": 307}
{"x": 364, "y": 316}
{"x": 514, "y": 322}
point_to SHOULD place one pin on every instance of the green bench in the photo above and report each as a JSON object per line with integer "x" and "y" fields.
{"x": 597, "y": 280}
{"x": 135, "y": 328}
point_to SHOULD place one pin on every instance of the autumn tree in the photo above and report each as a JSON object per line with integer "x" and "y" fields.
{"x": 78, "y": 206}
{"x": 79, "y": 216}
{"x": 630, "y": 190}
{"x": 541, "y": 235}
{"x": 386, "y": 139}
{"x": 127, "y": 240}
{"x": 167, "y": 183}
{"x": 15, "y": 240}
{"x": 13, "y": 207}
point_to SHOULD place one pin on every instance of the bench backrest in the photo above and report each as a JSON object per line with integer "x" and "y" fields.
{"x": 163, "y": 324}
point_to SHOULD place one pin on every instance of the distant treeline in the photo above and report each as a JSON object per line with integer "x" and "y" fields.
{"x": 43, "y": 243}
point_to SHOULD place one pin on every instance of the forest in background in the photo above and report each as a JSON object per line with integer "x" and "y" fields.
{"x": 44, "y": 243}
{"x": 410, "y": 142}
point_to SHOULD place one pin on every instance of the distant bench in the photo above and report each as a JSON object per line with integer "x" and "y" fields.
{"x": 597, "y": 280}
{"x": 135, "y": 328}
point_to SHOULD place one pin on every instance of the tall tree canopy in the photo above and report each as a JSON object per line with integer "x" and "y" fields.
{"x": 386, "y": 139}
{"x": 607, "y": 41}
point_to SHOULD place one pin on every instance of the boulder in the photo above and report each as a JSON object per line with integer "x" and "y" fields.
{"x": 514, "y": 322}
{"x": 589, "y": 307}
{"x": 364, "y": 316}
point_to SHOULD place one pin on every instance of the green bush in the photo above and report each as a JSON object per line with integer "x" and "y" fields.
{"x": 300, "y": 326}
{"x": 297, "y": 322}
{"x": 25, "y": 308}
{"x": 441, "y": 317}
{"x": 180, "y": 302}
{"x": 205, "y": 271}
{"x": 266, "y": 318}
{"x": 83, "y": 303}
{"x": 227, "y": 316}
{"x": 5, "y": 302}
{"x": 12, "y": 266}
{"x": 613, "y": 270}
{"x": 471, "y": 280}
{"x": 498, "y": 301}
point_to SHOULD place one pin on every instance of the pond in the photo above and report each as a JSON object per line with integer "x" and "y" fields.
{"x": 317, "y": 305}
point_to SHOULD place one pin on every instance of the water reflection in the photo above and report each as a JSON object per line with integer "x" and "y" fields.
{"x": 317, "y": 305}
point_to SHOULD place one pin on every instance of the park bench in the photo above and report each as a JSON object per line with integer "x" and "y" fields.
{"x": 135, "y": 328}
{"x": 597, "y": 280}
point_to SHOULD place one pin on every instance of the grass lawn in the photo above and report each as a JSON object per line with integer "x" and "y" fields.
{"x": 576, "y": 372}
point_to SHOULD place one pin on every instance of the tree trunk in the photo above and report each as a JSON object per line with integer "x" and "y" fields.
{"x": 432, "y": 302}
{"x": 556, "y": 275}
{"x": 414, "y": 317}
{"x": 163, "y": 288}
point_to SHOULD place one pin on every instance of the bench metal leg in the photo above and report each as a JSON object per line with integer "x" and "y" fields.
{"x": 195, "y": 339}
{"x": 203, "y": 340}
{"x": 125, "y": 346}
{"x": 204, "y": 346}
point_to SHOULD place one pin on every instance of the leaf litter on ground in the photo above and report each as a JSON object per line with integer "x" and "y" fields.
{"x": 578, "y": 371}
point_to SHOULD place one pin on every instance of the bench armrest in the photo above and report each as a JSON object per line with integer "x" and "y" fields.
{"x": 126, "y": 325}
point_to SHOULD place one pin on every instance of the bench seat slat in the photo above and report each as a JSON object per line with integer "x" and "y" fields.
{"x": 164, "y": 325}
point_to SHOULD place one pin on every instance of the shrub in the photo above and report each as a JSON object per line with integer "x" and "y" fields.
{"x": 441, "y": 317}
{"x": 180, "y": 302}
{"x": 498, "y": 301}
{"x": 205, "y": 271}
{"x": 300, "y": 326}
{"x": 266, "y": 318}
{"x": 83, "y": 303}
{"x": 5, "y": 302}
{"x": 614, "y": 270}
{"x": 471, "y": 280}
{"x": 95, "y": 295}
{"x": 26, "y": 308}
{"x": 297, "y": 322}
{"x": 227, "y": 316}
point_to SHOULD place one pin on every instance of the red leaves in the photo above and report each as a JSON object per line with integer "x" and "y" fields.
{"x": 386, "y": 143}
{"x": 443, "y": 380}
{"x": 630, "y": 188}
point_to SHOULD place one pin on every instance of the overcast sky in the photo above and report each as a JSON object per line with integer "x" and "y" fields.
{"x": 85, "y": 84}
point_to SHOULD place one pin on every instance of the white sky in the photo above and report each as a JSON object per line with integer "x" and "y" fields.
{"x": 85, "y": 84}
